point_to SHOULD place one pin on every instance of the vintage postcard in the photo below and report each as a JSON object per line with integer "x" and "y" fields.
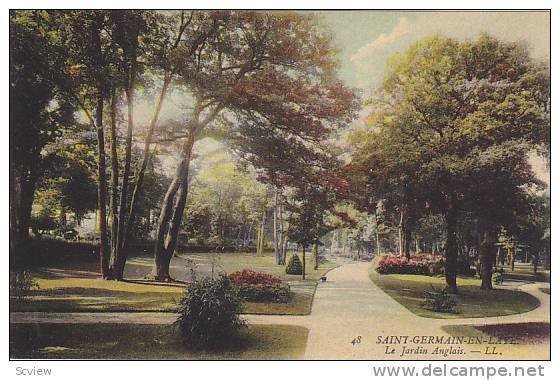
{"x": 280, "y": 185}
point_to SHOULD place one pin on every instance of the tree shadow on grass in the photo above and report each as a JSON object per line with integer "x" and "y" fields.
{"x": 127, "y": 341}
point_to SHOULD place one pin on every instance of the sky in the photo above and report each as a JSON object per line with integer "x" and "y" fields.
{"x": 366, "y": 39}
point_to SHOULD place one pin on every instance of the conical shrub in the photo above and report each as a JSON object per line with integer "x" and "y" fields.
{"x": 294, "y": 265}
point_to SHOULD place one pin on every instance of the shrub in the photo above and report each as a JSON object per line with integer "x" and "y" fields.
{"x": 260, "y": 287}
{"x": 21, "y": 283}
{"x": 438, "y": 301}
{"x": 264, "y": 293}
{"x": 209, "y": 313}
{"x": 421, "y": 264}
{"x": 248, "y": 276}
{"x": 498, "y": 276}
{"x": 294, "y": 265}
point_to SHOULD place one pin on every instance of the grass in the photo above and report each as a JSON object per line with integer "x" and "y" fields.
{"x": 74, "y": 286}
{"x": 524, "y": 272}
{"x": 545, "y": 290}
{"x": 133, "y": 341}
{"x": 528, "y": 333}
{"x": 472, "y": 302}
{"x": 87, "y": 294}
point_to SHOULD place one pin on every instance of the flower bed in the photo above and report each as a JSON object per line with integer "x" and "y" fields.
{"x": 260, "y": 287}
{"x": 423, "y": 264}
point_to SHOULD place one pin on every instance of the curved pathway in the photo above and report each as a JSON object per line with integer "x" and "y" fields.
{"x": 349, "y": 307}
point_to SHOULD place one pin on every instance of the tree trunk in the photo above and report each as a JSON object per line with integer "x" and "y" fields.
{"x": 260, "y": 249}
{"x": 281, "y": 236}
{"x": 285, "y": 248}
{"x": 303, "y": 265}
{"x": 400, "y": 240}
{"x": 451, "y": 250}
{"x": 315, "y": 256}
{"x": 334, "y": 241}
{"x": 487, "y": 253}
{"x": 277, "y": 253}
{"x": 535, "y": 261}
{"x": 406, "y": 234}
{"x": 512, "y": 259}
{"x": 22, "y": 192}
{"x": 101, "y": 190}
{"x": 171, "y": 215}
{"x": 121, "y": 252}
{"x": 113, "y": 202}
{"x": 145, "y": 160}
{"x": 259, "y": 237}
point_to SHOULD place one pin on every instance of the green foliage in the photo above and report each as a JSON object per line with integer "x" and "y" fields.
{"x": 439, "y": 301}
{"x": 224, "y": 201}
{"x": 279, "y": 293}
{"x": 452, "y": 128}
{"x": 294, "y": 265}
{"x": 21, "y": 283}
{"x": 209, "y": 313}
{"x": 498, "y": 276}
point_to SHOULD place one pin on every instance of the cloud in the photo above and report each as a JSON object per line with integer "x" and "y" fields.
{"x": 384, "y": 40}
{"x": 532, "y": 27}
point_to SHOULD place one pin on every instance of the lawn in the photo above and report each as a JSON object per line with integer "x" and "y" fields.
{"x": 524, "y": 272}
{"x": 472, "y": 302}
{"x": 132, "y": 341}
{"x": 74, "y": 285}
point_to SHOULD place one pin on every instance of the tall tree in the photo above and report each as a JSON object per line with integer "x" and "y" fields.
{"x": 451, "y": 102}
{"x": 272, "y": 69}
{"x": 89, "y": 68}
{"x": 136, "y": 35}
{"x": 37, "y": 111}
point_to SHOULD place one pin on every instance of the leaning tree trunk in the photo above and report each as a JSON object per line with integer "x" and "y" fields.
{"x": 171, "y": 215}
{"x": 487, "y": 259}
{"x": 144, "y": 164}
{"x": 451, "y": 250}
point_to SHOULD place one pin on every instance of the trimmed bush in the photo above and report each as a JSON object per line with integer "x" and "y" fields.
{"x": 439, "y": 301}
{"x": 294, "y": 265}
{"x": 209, "y": 313}
{"x": 260, "y": 287}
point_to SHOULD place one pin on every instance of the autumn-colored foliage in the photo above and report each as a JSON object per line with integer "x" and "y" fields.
{"x": 248, "y": 276}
